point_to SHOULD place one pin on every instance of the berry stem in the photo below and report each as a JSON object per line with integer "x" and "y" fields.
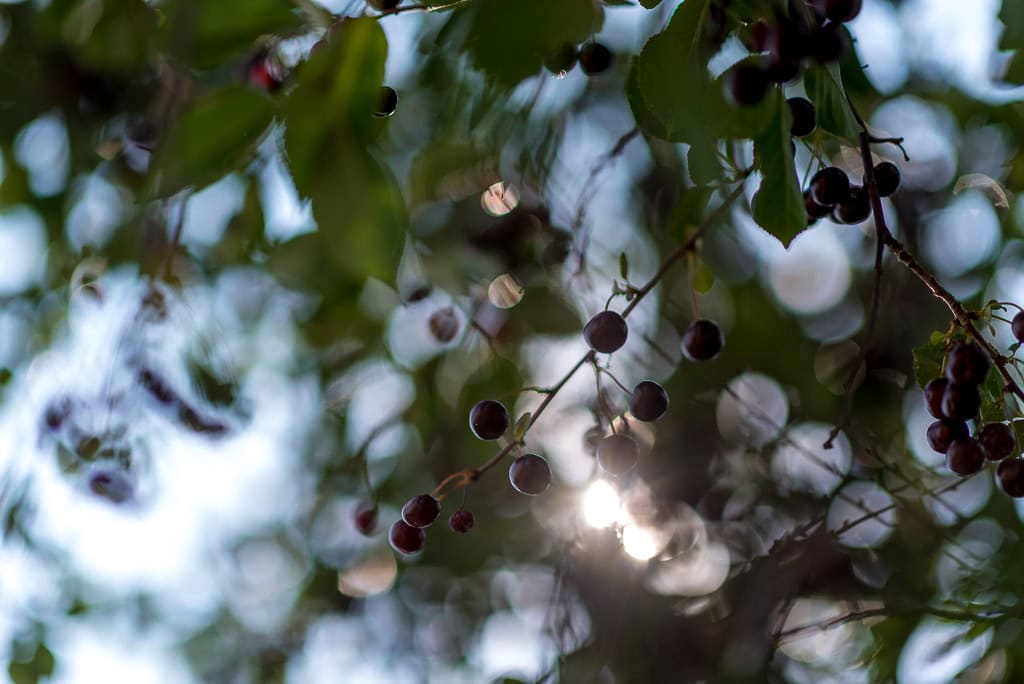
{"x": 885, "y": 236}
{"x": 464, "y": 478}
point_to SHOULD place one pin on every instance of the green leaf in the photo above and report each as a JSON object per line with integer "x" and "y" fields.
{"x": 779, "y": 205}
{"x": 521, "y": 426}
{"x": 357, "y": 204}
{"x": 643, "y": 114}
{"x": 688, "y": 212}
{"x": 450, "y": 170}
{"x": 833, "y": 113}
{"x": 1011, "y": 13}
{"x": 509, "y": 39}
{"x": 624, "y": 266}
{"x": 702, "y": 278}
{"x": 204, "y": 34}
{"x": 650, "y": 4}
{"x": 5, "y": 376}
{"x": 1015, "y": 70}
{"x": 217, "y": 134}
{"x": 672, "y": 78}
{"x": 928, "y": 359}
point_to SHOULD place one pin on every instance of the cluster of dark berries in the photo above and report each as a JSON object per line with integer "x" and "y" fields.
{"x": 831, "y": 193}
{"x": 528, "y": 474}
{"x": 593, "y": 57}
{"x": 955, "y": 399}
{"x": 812, "y": 30}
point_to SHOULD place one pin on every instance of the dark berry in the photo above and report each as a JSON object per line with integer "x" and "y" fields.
{"x": 617, "y": 453}
{"x": 933, "y": 393}
{"x": 111, "y": 484}
{"x": 1017, "y": 326}
{"x": 387, "y": 102}
{"x": 1010, "y": 474}
{"x": 887, "y": 178}
{"x": 829, "y": 43}
{"x": 421, "y": 510}
{"x": 649, "y": 401}
{"x": 830, "y": 186}
{"x": 56, "y": 413}
{"x": 702, "y": 341}
{"x": 788, "y": 41}
{"x": 406, "y": 538}
{"x": 856, "y": 207}
{"x": 813, "y": 209}
{"x": 562, "y": 60}
{"x": 965, "y": 456}
{"x": 383, "y": 5}
{"x": 839, "y": 10}
{"x": 595, "y": 58}
{"x": 755, "y": 36}
{"x": 942, "y": 432}
{"x": 747, "y": 84}
{"x": 961, "y": 402}
{"x": 781, "y": 70}
{"x": 967, "y": 364}
{"x": 997, "y": 440}
{"x": 444, "y": 325}
{"x": 530, "y": 474}
{"x": 803, "y": 115}
{"x": 366, "y": 518}
{"x": 461, "y": 521}
{"x": 606, "y": 332}
{"x": 488, "y": 419}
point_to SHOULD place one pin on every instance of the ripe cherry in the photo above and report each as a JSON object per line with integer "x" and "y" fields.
{"x": 595, "y": 58}
{"x": 933, "y": 393}
{"x": 1017, "y": 326}
{"x": 814, "y": 210}
{"x": 839, "y": 10}
{"x": 746, "y": 83}
{"x": 961, "y": 402}
{"x": 1010, "y": 474}
{"x": 856, "y": 207}
{"x": 461, "y": 521}
{"x": 887, "y": 178}
{"x": 617, "y": 453}
{"x": 406, "y": 538}
{"x": 967, "y": 364}
{"x": 755, "y": 36}
{"x": 366, "y": 518}
{"x": 606, "y": 332}
{"x": 383, "y": 5}
{"x": 421, "y": 510}
{"x": 829, "y": 43}
{"x": 649, "y": 401}
{"x": 112, "y": 484}
{"x": 702, "y": 340}
{"x": 803, "y": 114}
{"x": 387, "y": 102}
{"x": 965, "y": 456}
{"x": 530, "y": 474}
{"x": 997, "y": 440}
{"x": 830, "y": 186}
{"x": 942, "y": 432}
{"x": 488, "y": 419}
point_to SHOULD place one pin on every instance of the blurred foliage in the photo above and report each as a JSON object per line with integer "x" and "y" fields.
{"x": 163, "y": 100}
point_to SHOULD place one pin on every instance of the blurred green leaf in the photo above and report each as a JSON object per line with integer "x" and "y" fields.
{"x": 672, "y": 78}
{"x": 357, "y": 203}
{"x": 702, "y": 278}
{"x": 1011, "y": 13}
{"x": 645, "y": 117}
{"x": 204, "y": 34}
{"x": 928, "y": 359}
{"x": 779, "y": 206}
{"x": 688, "y": 212}
{"x": 650, "y": 4}
{"x": 108, "y": 36}
{"x": 509, "y": 39}
{"x": 218, "y": 133}
{"x": 5, "y": 376}
{"x": 833, "y": 112}
{"x": 624, "y": 266}
{"x": 450, "y": 170}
